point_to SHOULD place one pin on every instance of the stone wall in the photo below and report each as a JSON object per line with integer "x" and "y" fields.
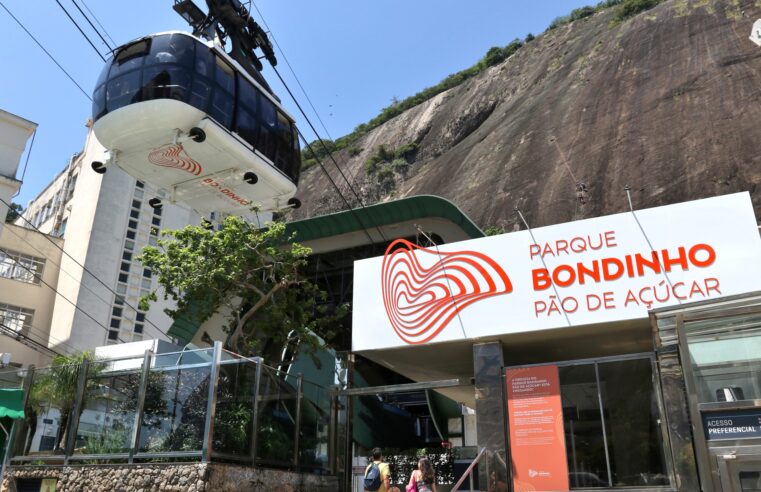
{"x": 196, "y": 477}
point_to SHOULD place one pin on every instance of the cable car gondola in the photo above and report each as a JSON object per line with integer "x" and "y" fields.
{"x": 180, "y": 113}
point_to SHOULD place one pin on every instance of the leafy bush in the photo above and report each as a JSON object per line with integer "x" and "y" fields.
{"x": 581, "y": 12}
{"x": 529, "y": 37}
{"x": 354, "y": 151}
{"x": 558, "y": 21}
{"x": 630, "y": 8}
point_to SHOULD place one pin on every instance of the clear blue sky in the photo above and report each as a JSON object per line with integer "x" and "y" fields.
{"x": 352, "y": 57}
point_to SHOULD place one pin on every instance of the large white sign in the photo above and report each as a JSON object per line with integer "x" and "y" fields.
{"x": 598, "y": 270}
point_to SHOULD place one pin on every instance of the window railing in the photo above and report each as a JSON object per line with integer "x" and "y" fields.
{"x": 202, "y": 405}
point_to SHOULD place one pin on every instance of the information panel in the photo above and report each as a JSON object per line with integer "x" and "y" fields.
{"x": 537, "y": 440}
{"x": 737, "y": 424}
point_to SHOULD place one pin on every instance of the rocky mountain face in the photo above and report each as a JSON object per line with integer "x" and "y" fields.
{"x": 667, "y": 102}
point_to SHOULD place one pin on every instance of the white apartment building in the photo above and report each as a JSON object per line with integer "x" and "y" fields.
{"x": 104, "y": 221}
{"x": 14, "y": 133}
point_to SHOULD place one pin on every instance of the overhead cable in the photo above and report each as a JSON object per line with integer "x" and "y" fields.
{"x": 81, "y": 31}
{"x": 91, "y": 25}
{"x": 46, "y": 51}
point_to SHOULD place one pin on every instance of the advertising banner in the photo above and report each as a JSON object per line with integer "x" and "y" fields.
{"x": 537, "y": 440}
{"x": 600, "y": 270}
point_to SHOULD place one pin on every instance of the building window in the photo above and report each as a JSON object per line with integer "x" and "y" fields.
{"x": 130, "y": 234}
{"x": 136, "y": 203}
{"x": 121, "y": 289}
{"x": 70, "y": 190}
{"x": 16, "y": 318}
{"x": 138, "y": 328}
{"x": 129, "y": 245}
{"x": 123, "y": 277}
{"x": 132, "y": 224}
{"x": 115, "y": 322}
{"x": 18, "y": 266}
{"x": 113, "y": 335}
{"x": 135, "y": 214}
{"x": 156, "y": 221}
{"x": 146, "y": 283}
{"x": 139, "y": 194}
{"x": 125, "y": 266}
{"x": 154, "y": 231}
{"x": 140, "y": 317}
{"x": 117, "y": 311}
{"x": 147, "y": 272}
{"x": 127, "y": 256}
{"x": 140, "y": 184}
{"x": 119, "y": 300}
{"x": 156, "y": 211}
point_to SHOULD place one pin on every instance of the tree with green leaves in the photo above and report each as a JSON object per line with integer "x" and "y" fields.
{"x": 14, "y": 211}
{"x": 251, "y": 275}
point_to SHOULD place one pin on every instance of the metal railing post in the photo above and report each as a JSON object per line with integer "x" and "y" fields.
{"x": 141, "y": 391}
{"x": 255, "y": 410}
{"x": 211, "y": 404}
{"x": 297, "y": 427}
{"x": 73, "y": 423}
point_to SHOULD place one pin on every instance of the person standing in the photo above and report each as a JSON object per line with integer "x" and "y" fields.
{"x": 377, "y": 474}
{"x": 424, "y": 478}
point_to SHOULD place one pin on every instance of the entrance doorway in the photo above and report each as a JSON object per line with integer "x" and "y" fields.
{"x": 740, "y": 472}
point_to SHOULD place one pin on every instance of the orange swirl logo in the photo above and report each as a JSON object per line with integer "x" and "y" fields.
{"x": 420, "y": 301}
{"x": 174, "y": 156}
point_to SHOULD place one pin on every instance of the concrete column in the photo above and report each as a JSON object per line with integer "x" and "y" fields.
{"x": 490, "y": 411}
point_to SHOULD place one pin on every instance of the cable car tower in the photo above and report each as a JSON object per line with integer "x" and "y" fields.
{"x": 201, "y": 124}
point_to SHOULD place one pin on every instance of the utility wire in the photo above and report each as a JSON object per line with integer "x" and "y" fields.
{"x": 81, "y": 31}
{"x": 60, "y": 268}
{"x": 110, "y": 289}
{"x": 46, "y": 51}
{"x": 74, "y": 304}
{"x": 91, "y": 25}
{"x": 29, "y": 342}
{"x": 314, "y": 130}
{"x": 98, "y": 22}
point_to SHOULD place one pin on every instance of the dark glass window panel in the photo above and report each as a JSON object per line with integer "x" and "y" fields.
{"x": 99, "y": 102}
{"x": 123, "y": 277}
{"x": 154, "y": 231}
{"x": 222, "y": 108}
{"x": 585, "y": 446}
{"x": 134, "y": 214}
{"x": 117, "y": 311}
{"x": 126, "y": 256}
{"x": 156, "y": 221}
{"x": 204, "y": 62}
{"x": 136, "y": 203}
{"x": 139, "y": 184}
{"x": 132, "y": 224}
{"x": 283, "y": 158}
{"x": 224, "y": 75}
{"x": 103, "y": 73}
{"x": 267, "y": 142}
{"x": 165, "y": 82}
{"x": 140, "y": 317}
{"x": 247, "y": 126}
{"x": 631, "y": 424}
{"x": 113, "y": 335}
{"x": 200, "y": 94}
{"x": 157, "y": 211}
{"x": 138, "y": 328}
{"x": 129, "y": 58}
{"x": 247, "y": 94}
{"x": 122, "y": 91}
{"x": 130, "y": 234}
{"x": 119, "y": 300}
{"x": 750, "y": 481}
{"x": 115, "y": 322}
{"x": 172, "y": 48}
{"x": 296, "y": 156}
{"x": 146, "y": 273}
{"x": 125, "y": 267}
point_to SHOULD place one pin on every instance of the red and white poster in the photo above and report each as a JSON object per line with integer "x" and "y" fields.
{"x": 535, "y": 418}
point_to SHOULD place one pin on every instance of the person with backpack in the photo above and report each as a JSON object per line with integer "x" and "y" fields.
{"x": 377, "y": 474}
{"x": 423, "y": 479}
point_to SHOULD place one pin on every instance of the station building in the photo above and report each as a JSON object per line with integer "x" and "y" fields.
{"x": 619, "y": 352}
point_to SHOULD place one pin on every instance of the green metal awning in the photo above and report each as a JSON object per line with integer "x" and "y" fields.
{"x": 12, "y": 403}
{"x": 189, "y": 320}
{"x": 381, "y": 214}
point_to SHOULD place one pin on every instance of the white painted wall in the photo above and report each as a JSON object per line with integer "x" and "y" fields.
{"x": 14, "y": 133}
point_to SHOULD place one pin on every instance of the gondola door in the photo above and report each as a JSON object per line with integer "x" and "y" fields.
{"x": 739, "y": 472}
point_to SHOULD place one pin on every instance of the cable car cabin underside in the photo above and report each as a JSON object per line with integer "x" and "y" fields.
{"x": 179, "y": 114}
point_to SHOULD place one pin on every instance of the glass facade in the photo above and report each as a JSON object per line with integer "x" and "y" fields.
{"x": 612, "y": 425}
{"x": 180, "y": 67}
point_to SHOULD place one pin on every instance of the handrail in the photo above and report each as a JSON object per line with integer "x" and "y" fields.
{"x": 469, "y": 471}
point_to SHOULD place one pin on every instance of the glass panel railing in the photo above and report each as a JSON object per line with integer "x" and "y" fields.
{"x": 314, "y": 428}
{"x": 108, "y": 410}
{"x": 277, "y": 419}
{"x": 234, "y": 411}
{"x": 174, "y": 411}
{"x": 49, "y": 407}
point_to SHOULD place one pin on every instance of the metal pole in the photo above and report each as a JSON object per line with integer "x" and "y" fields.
{"x": 141, "y": 391}
{"x": 211, "y": 404}
{"x": 71, "y": 432}
{"x": 602, "y": 420}
{"x": 299, "y": 396}
{"x": 255, "y": 410}
{"x": 7, "y": 452}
